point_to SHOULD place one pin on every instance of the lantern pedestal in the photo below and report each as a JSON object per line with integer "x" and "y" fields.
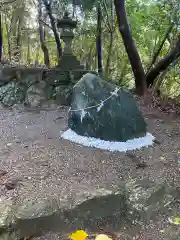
{"x": 69, "y": 62}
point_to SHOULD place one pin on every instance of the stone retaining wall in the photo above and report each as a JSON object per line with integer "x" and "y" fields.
{"x": 34, "y": 86}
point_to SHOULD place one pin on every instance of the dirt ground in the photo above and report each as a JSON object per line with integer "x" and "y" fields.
{"x": 40, "y": 164}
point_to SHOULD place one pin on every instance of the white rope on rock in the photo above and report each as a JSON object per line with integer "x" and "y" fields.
{"x": 99, "y": 105}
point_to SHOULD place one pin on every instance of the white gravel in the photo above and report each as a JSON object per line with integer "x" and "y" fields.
{"x": 109, "y": 145}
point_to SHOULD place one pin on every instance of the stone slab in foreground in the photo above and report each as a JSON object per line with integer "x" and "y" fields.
{"x": 132, "y": 203}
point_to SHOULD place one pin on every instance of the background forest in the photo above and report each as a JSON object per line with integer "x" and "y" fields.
{"x": 147, "y": 50}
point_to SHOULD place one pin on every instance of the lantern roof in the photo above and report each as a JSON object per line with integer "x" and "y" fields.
{"x": 66, "y": 21}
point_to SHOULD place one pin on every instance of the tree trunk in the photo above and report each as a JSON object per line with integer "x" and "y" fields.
{"x": 130, "y": 46}
{"x": 1, "y": 38}
{"x": 157, "y": 84}
{"x": 12, "y": 34}
{"x": 89, "y": 58}
{"x": 112, "y": 30}
{"x": 54, "y": 29}
{"x": 109, "y": 55}
{"x": 8, "y": 38}
{"x": 169, "y": 30}
{"x": 44, "y": 49}
{"x": 37, "y": 53}
{"x": 17, "y": 52}
{"x": 41, "y": 37}
{"x": 74, "y": 8}
{"x": 28, "y": 50}
{"x": 98, "y": 39}
{"x": 15, "y": 31}
{"x": 163, "y": 64}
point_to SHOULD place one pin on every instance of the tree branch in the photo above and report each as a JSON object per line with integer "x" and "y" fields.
{"x": 9, "y": 2}
{"x": 53, "y": 24}
{"x": 107, "y": 15}
{"x": 44, "y": 23}
{"x": 164, "y": 63}
{"x": 98, "y": 39}
{"x": 160, "y": 47}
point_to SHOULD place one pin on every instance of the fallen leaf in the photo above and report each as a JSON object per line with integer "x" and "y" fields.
{"x": 102, "y": 237}
{"x": 78, "y": 235}
{"x": 174, "y": 220}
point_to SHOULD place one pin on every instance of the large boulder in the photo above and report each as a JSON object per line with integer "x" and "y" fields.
{"x": 30, "y": 77}
{"x": 37, "y": 94}
{"x": 6, "y": 75}
{"x": 115, "y": 119}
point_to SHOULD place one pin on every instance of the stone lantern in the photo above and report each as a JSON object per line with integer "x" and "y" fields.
{"x": 68, "y": 61}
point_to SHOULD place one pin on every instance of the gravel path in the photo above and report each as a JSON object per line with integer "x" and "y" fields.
{"x": 39, "y": 164}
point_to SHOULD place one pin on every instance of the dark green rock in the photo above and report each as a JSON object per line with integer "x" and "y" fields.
{"x": 62, "y": 94}
{"x": 5, "y": 75}
{"x": 29, "y": 77}
{"x": 38, "y": 93}
{"x": 118, "y": 119}
{"x": 12, "y": 93}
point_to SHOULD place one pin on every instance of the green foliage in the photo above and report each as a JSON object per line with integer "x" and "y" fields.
{"x": 149, "y": 22}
